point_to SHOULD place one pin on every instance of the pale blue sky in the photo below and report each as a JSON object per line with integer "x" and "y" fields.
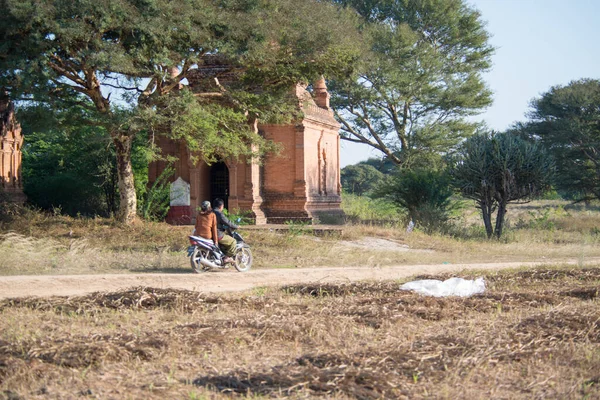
{"x": 539, "y": 44}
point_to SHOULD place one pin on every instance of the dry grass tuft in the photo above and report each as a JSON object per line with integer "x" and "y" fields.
{"x": 20, "y": 254}
{"x": 83, "y": 352}
{"x": 141, "y": 298}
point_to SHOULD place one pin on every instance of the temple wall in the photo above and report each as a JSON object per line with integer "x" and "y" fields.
{"x": 322, "y": 160}
{"x": 311, "y": 159}
{"x": 11, "y": 142}
{"x": 280, "y": 170}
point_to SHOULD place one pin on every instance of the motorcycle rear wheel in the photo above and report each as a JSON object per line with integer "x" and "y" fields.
{"x": 242, "y": 260}
{"x": 195, "y": 260}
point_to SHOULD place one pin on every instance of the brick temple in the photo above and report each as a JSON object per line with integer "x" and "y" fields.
{"x": 11, "y": 142}
{"x": 302, "y": 183}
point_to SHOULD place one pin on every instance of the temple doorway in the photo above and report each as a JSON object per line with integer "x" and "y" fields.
{"x": 219, "y": 182}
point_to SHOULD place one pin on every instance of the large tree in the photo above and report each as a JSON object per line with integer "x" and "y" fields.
{"x": 361, "y": 178}
{"x": 420, "y": 80}
{"x": 567, "y": 121}
{"x": 125, "y": 60}
{"x": 498, "y": 169}
{"x": 67, "y": 166}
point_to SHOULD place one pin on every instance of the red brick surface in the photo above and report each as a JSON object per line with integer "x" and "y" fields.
{"x": 180, "y": 215}
{"x": 300, "y": 183}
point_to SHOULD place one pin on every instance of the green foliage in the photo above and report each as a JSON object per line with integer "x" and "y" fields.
{"x": 296, "y": 228}
{"x": 155, "y": 202}
{"x": 566, "y": 119}
{"x": 360, "y": 179}
{"x": 419, "y": 80}
{"x": 211, "y": 131}
{"x": 115, "y": 58}
{"x": 539, "y": 220}
{"x": 362, "y": 208}
{"x": 296, "y": 41}
{"x": 425, "y": 194}
{"x": 69, "y": 164}
{"x": 239, "y": 217}
{"x": 497, "y": 169}
{"x": 383, "y": 165}
{"x": 67, "y": 167}
{"x": 143, "y": 151}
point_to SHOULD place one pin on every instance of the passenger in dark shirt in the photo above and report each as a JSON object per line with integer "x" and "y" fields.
{"x": 226, "y": 242}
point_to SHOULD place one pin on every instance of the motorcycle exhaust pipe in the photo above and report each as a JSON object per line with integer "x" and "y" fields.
{"x": 207, "y": 263}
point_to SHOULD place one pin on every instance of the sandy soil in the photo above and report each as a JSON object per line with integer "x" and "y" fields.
{"x": 227, "y": 280}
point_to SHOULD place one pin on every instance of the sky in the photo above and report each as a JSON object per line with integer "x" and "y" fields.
{"x": 539, "y": 44}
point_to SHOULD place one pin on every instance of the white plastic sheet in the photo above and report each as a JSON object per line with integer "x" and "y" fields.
{"x": 449, "y": 287}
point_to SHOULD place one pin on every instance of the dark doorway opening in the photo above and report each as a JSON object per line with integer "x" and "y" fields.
{"x": 219, "y": 182}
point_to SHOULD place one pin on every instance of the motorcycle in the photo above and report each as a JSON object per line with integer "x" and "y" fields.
{"x": 204, "y": 255}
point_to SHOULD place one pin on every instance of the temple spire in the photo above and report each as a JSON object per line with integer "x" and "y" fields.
{"x": 321, "y": 94}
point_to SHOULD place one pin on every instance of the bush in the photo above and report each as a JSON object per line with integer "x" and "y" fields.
{"x": 425, "y": 194}
{"x": 154, "y": 204}
{"x": 362, "y": 208}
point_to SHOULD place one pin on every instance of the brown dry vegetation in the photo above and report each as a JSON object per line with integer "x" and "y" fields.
{"x": 533, "y": 334}
{"x": 36, "y": 243}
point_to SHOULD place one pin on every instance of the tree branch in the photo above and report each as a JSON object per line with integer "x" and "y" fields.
{"x": 122, "y": 87}
{"x": 378, "y": 144}
{"x": 76, "y": 88}
{"x": 209, "y": 94}
{"x": 61, "y": 70}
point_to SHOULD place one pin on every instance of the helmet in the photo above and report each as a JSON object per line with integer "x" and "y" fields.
{"x": 205, "y": 206}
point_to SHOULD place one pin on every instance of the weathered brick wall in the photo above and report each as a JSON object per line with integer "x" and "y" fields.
{"x": 11, "y": 142}
{"x": 280, "y": 170}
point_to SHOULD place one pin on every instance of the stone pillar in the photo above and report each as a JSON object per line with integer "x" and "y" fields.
{"x": 234, "y": 197}
{"x": 253, "y": 200}
{"x": 13, "y": 165}
{"x": 300, "y": 189}
{"x": 195, "y": 189}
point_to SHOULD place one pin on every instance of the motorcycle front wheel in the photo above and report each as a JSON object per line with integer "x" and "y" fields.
{"x": 243, "y": 259}
{"x": 195, "y": 260}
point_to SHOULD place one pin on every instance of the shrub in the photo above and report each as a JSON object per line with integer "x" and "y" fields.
{"x": 425, "y": 194}
{"x": 362, "y": 208}
{"x": 154, "y": 204}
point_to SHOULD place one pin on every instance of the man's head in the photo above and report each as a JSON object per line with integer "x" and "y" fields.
{"x": 218, "y": 204}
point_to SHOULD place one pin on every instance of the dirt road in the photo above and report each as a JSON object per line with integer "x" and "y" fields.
{"x": 226, "y": 280}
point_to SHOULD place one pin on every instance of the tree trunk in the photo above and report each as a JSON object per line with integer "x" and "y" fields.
{"x": 128, "y": 201}
{"x": 500, "y": 219}
{"x": 486, "y": 213}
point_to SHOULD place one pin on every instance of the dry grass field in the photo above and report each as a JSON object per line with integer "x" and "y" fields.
{"x": 534, "y": 334}
{"x": 35, "y": 243}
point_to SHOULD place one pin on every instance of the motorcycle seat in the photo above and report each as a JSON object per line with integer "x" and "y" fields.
{"x": 201, "y": 239}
